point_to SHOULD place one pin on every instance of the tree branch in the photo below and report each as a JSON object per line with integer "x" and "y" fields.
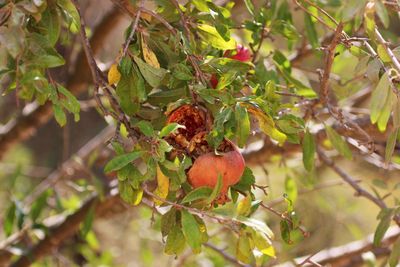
{"x": 324, "y": 89}
{"x": 66, "y": 229}
{"x": 72, "y": 164}
{"x": 353, "y": 183}
{"x": 351, "y": 253}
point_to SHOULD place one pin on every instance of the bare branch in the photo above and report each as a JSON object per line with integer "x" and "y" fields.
{"x": 66, "y": 229}
{"x": 353, "y": 183}
{"x": 351, "y": 253}
{"x": 72, "y": 164}
{"x": 324, "y": 89}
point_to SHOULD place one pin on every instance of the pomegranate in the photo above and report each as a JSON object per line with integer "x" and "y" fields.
{"x": 208, "y": 166}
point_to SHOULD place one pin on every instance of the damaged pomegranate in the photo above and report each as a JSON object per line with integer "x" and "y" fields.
{"x": 207, "y": 165}
{"x": 193, "y": 118}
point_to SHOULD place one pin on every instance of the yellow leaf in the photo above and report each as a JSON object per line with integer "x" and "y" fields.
{"x": 267, "y": 124}
{"x": 244, "y": 206}
{"x": 137, "y": 196}
{"x": 149, "y": 55}
{"x": 113, "y": 74}
{"x": 162, "y": 186}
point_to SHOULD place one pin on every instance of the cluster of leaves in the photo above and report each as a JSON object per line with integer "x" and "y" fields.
{"x": 156, "y": 76}
{"x": 28, "y": 35}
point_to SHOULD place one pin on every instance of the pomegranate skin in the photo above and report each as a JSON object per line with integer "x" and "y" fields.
{"x": 207, "y": 167}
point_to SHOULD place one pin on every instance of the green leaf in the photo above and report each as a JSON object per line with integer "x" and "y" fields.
{"x": 226, "y": 79}
{"x": 52, "y": 24}
{"x": 390, "y": 144}
{"x": 311, "y": 31}
{"x": 9, "y": 220}
{"x": 386, "y": 111}
{"x": 285, "y": 231}
{"x": 379, "y": 96}
{"x": 123, "y": 90}
{"x": 69, "y": 101}
{"x": 308, "y": 151}
{"x": 284, "y": 66}
{"x": 191, "y": 231}
{"x": 383, "y": 54}
{"x": 216, "y": 190}
{"x": 201, "y": 5}
{"x": 88, "y": 222}
{"x": 167, "y": 96}
{"x": 257, "y": 225}
{"x": 246, "y": 180}
{"x": 59, "y": 115}
{"x": 291, "y": 189}
{"x": 152, "y": 75}
{"x": 168, "y": 221}
{"x": 212, "y": 37}
{"x": 382, "y": 13}
{"x": 122, "y": 160}
{"x": 170, "y": 128}
{"x": 244, "y": 251}
{"x": 129, "y": 194}
{"x": 182, "y": 72}
{"x": 125, "y": 66}
{"x": 383, "y": 226}
{"x": 146, "y": 128}
{"x": 175, "y": 242}
{"x": 396, "y": 113}
{"x": 250, "y": 6}
{"x": 338, "y": 143}
{"x": 203, "y": 192}
{"x": 242, "y": 124}
{"x": 38, "y": 205}
{"x": 43, "y": 54}
{"x": 394, "y": 257}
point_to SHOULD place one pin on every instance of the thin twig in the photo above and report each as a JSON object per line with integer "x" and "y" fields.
{"x": 133, "y": 29}
{"x": 324, "y": 85}
{"x": 225, "y": 255}
{"x": 353, "y": 183}
{"x": 283, "y": 216}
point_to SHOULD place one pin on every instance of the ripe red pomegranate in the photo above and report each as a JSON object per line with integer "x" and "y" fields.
{"x": 241, "y": 53}
{"x": 208, "y": 166}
